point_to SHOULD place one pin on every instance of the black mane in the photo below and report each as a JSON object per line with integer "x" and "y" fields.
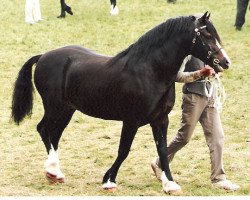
{"x": 154, "y": 39}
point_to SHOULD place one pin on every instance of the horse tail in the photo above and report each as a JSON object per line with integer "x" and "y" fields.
{"x": 22, "y": 98}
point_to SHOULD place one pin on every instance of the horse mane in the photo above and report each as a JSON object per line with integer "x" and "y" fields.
{"x": 153, "y": 39}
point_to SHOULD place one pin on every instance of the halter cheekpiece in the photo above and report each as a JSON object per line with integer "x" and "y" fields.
{"x": 209, "y": 52}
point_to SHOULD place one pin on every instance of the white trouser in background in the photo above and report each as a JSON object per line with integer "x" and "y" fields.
{"x": 32, "y": 11}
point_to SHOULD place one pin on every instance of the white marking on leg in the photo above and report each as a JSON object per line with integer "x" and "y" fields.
{"x": 114, "y": 10}
{"x": 52, "y": 165}
{"x": 109, "y": 185}
{"x": 169, "y": 186}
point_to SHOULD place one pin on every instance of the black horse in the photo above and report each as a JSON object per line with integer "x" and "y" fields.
{"x": 65, "y": 8}
{"x": 137, "y": 87}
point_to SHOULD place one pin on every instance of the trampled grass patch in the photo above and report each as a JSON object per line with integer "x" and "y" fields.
{"x": 89, "y": 146}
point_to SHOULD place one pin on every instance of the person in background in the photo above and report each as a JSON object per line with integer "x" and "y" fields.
{"x": 241, "y": 13}
{"x": 32, "y": 11}
{"x": 199, "y": 105}
{"x": 172, "y": 1}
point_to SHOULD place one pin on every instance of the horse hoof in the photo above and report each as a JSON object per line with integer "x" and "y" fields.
{"x": 171, "y": 187}
{"x": 60, "y": 180}
{"x": 112, "y": 190}
{"x": 109, "y": 186}
{"x": 175, "y": 192}
{"x": 53, "y": 179}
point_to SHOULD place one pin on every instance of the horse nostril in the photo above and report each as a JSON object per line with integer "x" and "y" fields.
{"x": 228, "y": 61}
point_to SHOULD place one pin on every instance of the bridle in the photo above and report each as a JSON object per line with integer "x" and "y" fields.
{"x": 210, "y": 53}
{"x": 219, "y": 92}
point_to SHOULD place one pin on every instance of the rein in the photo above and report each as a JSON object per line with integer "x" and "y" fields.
{"x": 217, "y": 92}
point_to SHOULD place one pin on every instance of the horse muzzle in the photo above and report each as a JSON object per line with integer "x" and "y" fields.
{"x": 220, "y": 65}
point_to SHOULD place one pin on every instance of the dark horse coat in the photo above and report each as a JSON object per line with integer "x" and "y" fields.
{"x": 136, "y": 86}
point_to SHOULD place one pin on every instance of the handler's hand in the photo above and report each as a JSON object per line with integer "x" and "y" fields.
{"x": 207, "y": 71}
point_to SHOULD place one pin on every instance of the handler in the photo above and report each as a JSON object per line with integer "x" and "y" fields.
{"x": 199, "y": 104}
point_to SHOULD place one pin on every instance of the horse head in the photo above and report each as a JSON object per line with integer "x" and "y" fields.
{"x": 206, "y": 43}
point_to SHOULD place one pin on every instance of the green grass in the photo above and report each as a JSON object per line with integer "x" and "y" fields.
{"x": 89, "y": 146}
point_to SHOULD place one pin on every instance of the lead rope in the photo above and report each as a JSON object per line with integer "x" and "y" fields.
{"x": 217, "y": 91}
{"x": 210, "y": 92}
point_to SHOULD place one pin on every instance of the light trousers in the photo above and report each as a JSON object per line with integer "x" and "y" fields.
{"x": 32, "y": 11}
{"x": 197, "y": 108}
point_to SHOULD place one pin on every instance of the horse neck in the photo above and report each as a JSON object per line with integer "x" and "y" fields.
{"x": 164, "y": 61}
{"x": 174, "y": 51}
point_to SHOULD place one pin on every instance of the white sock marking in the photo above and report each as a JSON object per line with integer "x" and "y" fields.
{"x": 52, "y": 165}
{"x": 114, "y": 10}
{"x": 169, "y": 186}
{"x": 109, "y": 185}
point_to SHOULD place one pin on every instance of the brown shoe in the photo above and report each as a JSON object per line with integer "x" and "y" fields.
{"x": 156, "y": 168}
{"x": 226, "y": 185}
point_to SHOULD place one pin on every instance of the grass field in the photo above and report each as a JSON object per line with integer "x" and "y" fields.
{"x": 89, "y": 146}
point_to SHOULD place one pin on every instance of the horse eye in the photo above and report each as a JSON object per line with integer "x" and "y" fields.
{"x": 208, "y": 35}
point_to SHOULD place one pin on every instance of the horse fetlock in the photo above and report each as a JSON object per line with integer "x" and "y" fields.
{"x": 53, "y": 172}
{"x": 52, "y": 167}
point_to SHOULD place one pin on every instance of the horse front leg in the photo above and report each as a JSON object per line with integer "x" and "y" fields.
{"x": 64, "y": 8}
{"x": 160, "y": 136}
{"x": 127, "y": 136}
{"x": 114, "y": 9}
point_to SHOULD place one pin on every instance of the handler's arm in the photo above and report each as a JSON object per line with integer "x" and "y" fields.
{"x": 187, "y": 77}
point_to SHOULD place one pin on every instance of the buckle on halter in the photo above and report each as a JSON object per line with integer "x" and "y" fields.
{"x": 216, "y": 61}
{"x": 209, "y": 54}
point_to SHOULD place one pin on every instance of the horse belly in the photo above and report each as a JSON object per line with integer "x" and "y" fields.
{"x": 98, "y": 109}
{"x": 93, "y": 99}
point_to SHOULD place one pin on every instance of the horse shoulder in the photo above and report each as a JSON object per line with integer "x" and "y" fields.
{"x": 164, "y": 106}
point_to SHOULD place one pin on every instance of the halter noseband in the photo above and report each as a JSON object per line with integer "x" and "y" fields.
{"x": 210, "y": 53}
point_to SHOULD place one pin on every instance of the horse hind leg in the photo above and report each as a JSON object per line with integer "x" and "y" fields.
{"x": 50, "y": 129}
{"x": 52, "y": 167}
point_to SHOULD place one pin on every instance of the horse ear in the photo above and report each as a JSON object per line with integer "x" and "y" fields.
{"x": 208, "y": 15}
{"x": 193, "y": 18}
{"x": 204, "y": 17}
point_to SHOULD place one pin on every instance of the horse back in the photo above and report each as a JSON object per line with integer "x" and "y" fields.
{"x": 82, "y": 79}
{"x": 52, "y": 69}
